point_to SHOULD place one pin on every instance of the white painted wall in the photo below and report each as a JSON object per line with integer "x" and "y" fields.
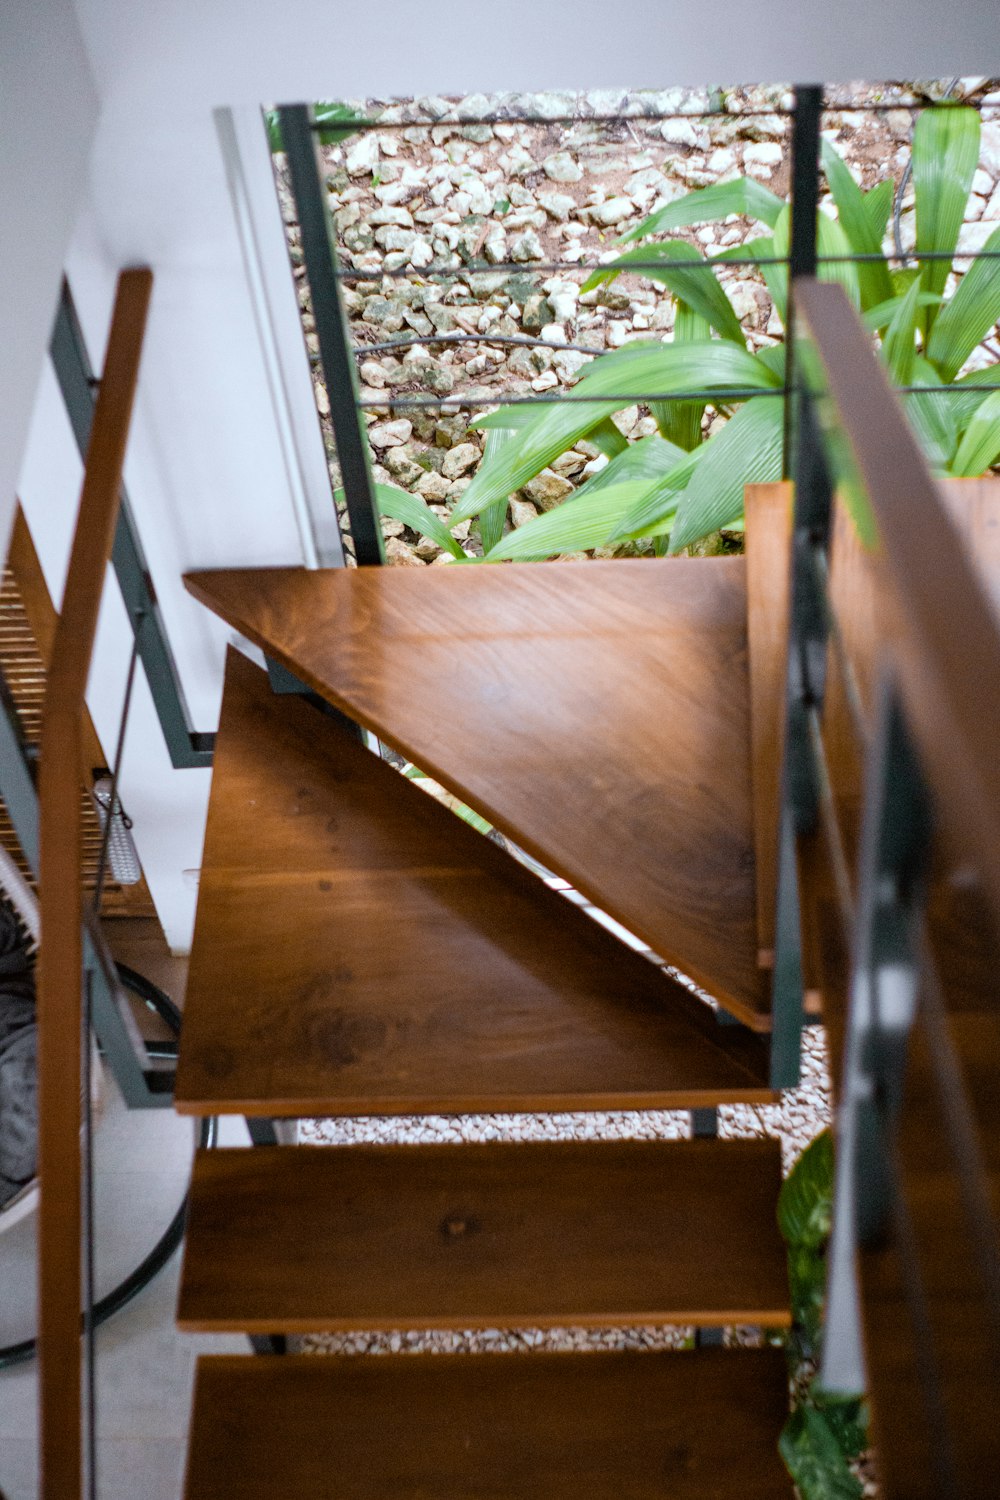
{"x": 207, "y": 474}
{"x": 48, "y": 116}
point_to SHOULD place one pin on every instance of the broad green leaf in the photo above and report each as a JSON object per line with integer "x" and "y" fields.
{"x": 967, "y": 317}
{"x": 680, "y": 421}
{"x": 575, "y": 526}
{"x": 698, "y": 288}
{"x": 877, "y": 318}
{"x": 775, "y": 277}
{"x": 649, "y": 459}
{"x": 773, "y": 356}
{"x": 980, "y": 445}
{"x": 966, "y": 397}
{"x": 832, "y": 241}
{"x": 878, "y": 207}
{"x": 813, "y": 1458}
{"x": 855, "y": 219}
{"x": 635, "y": 372}
{"x": 807, "y": 1294}
{"x": 336, "y": 117}
{"x": 899, "y": 345}
{"x": 805, "y": 1203}
{"x": 339, "y": 117}
{"x": 748, "y": 450}
{"x": 945, "y": 157}
{"x": 400, "y": 505}
{"x": 847, "y": 1416}
{"x": 741, "y": 196}
{"x": 491, "y": 519}
{"x": 609, "y": 438}
{"x": 933, "y": 416}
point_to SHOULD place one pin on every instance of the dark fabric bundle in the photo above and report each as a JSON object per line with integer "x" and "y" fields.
{"x": 18, "y": 1062}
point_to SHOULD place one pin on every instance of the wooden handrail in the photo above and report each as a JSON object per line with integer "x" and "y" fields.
{"x": 948, "y": 650}
{"x": 61, "y": 903}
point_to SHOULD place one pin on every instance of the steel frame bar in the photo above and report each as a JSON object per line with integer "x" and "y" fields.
{"x": 187, "y": 747}
{"x": 339, "y": 374}
{"x": 120, "y": 1044}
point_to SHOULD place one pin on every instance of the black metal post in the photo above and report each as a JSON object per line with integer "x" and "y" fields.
{"x": 806, "y": 682}
{"x": 332, "y": 330}
{"x": 806, "y": 119}
{"x": 78, "y": 385}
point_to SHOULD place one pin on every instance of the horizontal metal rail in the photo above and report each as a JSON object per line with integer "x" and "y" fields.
{"x": 626, "y": 115}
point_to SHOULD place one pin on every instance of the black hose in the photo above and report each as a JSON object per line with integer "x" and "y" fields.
{"x": 168, "y": 1242}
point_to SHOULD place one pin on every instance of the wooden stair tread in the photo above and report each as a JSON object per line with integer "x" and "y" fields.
{"x": 486, "y": 1235}
{"x": 695, "y": 1426}
{"x": 597, "y": 713}
{"x": 360, "y": 950}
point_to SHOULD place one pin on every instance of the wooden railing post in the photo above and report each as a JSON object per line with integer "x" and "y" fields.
{"x": 61, "y": 905}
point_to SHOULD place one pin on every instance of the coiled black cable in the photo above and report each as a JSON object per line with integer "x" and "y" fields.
{"x": 153, "y": 1263}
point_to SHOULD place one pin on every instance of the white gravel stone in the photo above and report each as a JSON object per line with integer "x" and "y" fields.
{"x": 562, "y": 167}
{"x": 613, "y": 212}
{"x": 763, "y": 154}
{"x": 362, "y": 155}
{"x": 459, "y": 459}
{"x": 390, "y": 434}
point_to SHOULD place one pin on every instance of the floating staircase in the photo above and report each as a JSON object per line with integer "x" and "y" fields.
{"x": 359, "y": 950}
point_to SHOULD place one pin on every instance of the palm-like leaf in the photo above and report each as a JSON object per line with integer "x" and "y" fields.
{"x": 945, "y": 157}
{"x": 743, "y": 195}
{"x": 969, "y": 315}
{"x": 635, "y": 372}
{"x": 671, "y": 264}
{"x": 748, "y": 450}
{"x": 400, "y": 505}
{"x": 588, "y": 521}
{"x": 680, "y": 421}
{"x": 856, "y": 220}
{"x": 980, "y": 445}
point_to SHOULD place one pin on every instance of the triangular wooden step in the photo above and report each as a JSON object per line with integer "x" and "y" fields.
{"x": 538, "y": 1234}
{"x": 360, "y": 950}
{"x": 702, "y": 1425}
{"x": 596, "y": 712}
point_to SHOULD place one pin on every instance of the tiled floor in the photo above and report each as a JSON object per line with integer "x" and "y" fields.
{"x": 145, "y": 1368}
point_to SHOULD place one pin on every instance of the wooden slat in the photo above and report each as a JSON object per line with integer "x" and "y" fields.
{"x": 596, "y": 712}
{"x": 691, "y": 1426}
{"x": 28, "y": 621}
{"x": 538, "y": 1234}
{"x": 768, "y": 550}
{"x": 60, "y": 957}
{"x": 358, "y": 950}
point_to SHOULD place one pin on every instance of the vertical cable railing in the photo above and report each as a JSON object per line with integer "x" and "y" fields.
{"x": 61, "y": 1037}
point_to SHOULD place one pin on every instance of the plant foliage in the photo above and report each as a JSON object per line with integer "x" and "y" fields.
{"x": 686, "y": 481}
{"x": 825, "y": 1428}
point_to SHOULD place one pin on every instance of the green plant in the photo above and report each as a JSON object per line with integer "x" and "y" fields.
{"x": 825, "y": 1428}
{"x": 337, "y": 119}
{"x": 680, "y": 484}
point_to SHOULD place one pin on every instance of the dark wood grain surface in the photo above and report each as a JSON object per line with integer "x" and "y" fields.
{"x": 535, "y": 1234}
{"x": 596, "y": 712}
{"x": 359, "y": 949}
{"x": 689, "y": 1426}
